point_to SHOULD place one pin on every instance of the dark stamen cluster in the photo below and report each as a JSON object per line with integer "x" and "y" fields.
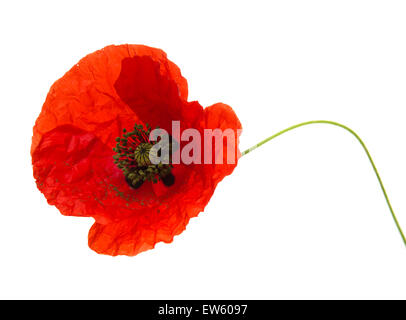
{"x": 133, "y": 158}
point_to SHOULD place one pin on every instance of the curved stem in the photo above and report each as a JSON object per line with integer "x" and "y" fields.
{"x": 363, "y": 146}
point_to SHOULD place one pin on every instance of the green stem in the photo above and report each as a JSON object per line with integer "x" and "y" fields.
{"x": 362, "y": 144}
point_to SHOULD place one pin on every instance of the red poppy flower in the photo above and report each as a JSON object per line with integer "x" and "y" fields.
{"x": 72, "y": 147}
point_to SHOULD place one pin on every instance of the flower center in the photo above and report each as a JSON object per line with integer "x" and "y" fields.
{"x": 133, "y": 156}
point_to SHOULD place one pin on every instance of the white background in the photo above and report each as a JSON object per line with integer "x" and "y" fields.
{"x": 301, "y": 217}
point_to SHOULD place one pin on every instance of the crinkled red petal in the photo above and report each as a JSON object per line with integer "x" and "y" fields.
{"x": 143, "y": 88}
{"x": 134, "y": 235}
{"x": 86, "y": 98}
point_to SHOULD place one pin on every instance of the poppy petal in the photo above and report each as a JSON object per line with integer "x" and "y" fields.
{"x": 86, "y": 98}
{"x": 153, "y": 97}
{"x": 134, "y": 235}
{"x": 222, "y": 116}
{"x": 76, "y": 173}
